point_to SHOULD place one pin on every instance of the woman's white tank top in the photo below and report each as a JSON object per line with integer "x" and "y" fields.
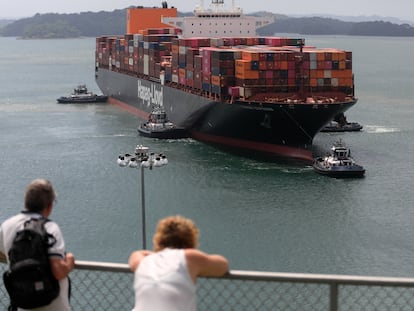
{"x": 162, "y": 283}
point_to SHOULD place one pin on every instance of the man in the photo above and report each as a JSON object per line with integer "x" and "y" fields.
{"x": 39, "y": 201}
{"x": 165, "y": 279}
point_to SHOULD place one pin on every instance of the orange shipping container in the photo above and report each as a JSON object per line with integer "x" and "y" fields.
{"x": 243, "y": 64}
{"x": 284, "y": 65}
{"x": 215, "y": 80}
{"x": 347, "y": 73}
{"x": 345, "y": 82}
{"x": 247, "y": 74}
{"x": 182, "y": 72}
{"x": 250, "y": 55}
{"x": 320, "y": 56}
{"x": 262, "y": 65}
{"x": 317, "y": 73}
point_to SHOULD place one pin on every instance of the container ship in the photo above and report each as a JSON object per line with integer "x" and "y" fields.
{"x": 262, "y": 96}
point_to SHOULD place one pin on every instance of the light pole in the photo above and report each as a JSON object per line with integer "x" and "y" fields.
{"x": 142, "y": 159}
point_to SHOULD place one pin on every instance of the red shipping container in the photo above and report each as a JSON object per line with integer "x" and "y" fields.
{"x": 234, "y": 91}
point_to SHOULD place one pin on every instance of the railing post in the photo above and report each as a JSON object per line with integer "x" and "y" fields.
{"x": 333, "y": 297}
{"x": 144, "y": 238}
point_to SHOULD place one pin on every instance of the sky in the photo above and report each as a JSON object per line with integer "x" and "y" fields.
{"x": 401, "y": 9}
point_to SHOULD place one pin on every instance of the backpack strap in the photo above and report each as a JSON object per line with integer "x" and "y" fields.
{"x": 11, "y": 307}
{"x": 50, "y": 240}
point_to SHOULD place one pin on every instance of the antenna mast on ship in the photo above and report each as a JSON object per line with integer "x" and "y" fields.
{"x": 217, "y": 3}
{"x": 217, "y": 8}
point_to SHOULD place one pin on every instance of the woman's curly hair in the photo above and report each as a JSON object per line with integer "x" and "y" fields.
{"x": 175, "y": 232}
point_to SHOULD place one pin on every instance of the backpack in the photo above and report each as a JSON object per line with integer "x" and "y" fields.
{"x": 29, "y": 280}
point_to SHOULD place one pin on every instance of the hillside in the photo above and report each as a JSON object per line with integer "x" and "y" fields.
{"x": 89, "y": 24}
{"x": 329, "y": 26}
{"x": 85, "y": 24}
{"x": 4, "y": 22}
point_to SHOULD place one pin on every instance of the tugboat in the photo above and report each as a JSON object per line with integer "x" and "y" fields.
{"x": 334, "y": 126}
{"x": 158, "y": 126}
{"x": 81, "y": 95}
{"x": 340, "y": 124}
{"x": 339, "y": 163}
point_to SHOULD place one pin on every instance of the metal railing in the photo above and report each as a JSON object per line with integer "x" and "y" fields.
{"x": 108, "y": 286}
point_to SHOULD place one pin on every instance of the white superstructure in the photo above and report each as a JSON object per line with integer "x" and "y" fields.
{"x": 217, "y": 21}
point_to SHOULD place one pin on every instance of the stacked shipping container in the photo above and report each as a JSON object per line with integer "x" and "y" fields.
{"x": 227, "y": 66}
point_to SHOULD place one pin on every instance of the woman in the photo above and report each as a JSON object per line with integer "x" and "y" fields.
{"x": 165, "y": 278}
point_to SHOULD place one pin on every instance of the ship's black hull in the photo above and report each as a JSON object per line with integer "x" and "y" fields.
{"x": 280, "y": 130}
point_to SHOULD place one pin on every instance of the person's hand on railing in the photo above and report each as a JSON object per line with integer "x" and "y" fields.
{"x": 3, "y": 258}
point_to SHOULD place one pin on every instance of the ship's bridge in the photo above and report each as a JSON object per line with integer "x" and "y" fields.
{"x": 218, "y": 21}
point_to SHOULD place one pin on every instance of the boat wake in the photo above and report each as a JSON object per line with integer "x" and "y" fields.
{"x": 121, "y": 135}
{"x": 375, "y": 129}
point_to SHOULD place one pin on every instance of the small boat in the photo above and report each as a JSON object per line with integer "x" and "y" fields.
{"x": 81, "y": 95}
{"x": 340, "y": 124}
{"x": 158, "y": 126}
{"x": 339, "y": 163}
{"x": 334, "y": 126}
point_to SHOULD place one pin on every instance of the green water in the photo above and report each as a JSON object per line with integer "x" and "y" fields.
{"x": 262, "y": 216}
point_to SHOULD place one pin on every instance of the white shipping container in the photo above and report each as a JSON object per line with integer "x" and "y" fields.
{"x": 217, "y": 42}
{"x": 245, "y": 92}
{"x": 138, "y": 37}
{"x": 146, "y": 64}
{"x": 182, "y": 50}
{"x": 174, "y": 78}
{"x": 327, "y": 74}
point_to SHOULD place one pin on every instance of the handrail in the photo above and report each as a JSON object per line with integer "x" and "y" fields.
{"x": 101, "y": 266}
{"x": 273, "y": 276}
